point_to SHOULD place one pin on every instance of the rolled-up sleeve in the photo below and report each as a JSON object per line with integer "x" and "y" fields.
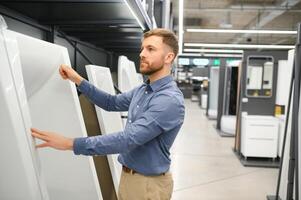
{"x": 163, "y": 114}
{"x": 105, "y": 100}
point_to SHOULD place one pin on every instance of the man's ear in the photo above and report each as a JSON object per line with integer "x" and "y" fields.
{"x": 169, "y": 57}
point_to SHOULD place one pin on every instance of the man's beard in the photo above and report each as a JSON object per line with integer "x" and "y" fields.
{"x": 149, "y": 70}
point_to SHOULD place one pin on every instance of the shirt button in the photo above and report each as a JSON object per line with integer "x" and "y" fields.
{"x": 130, "y": 121}
{"x": 146, "y": 92}
{"x": 137, "y": 106}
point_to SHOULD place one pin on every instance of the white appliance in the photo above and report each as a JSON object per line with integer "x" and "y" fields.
{"x": 284, "y": 79}
{"x": 283, "y": 97}
{"x": 127, "y": 78}
{"x": 228, "y": 124}
{"x": 20, "y": 165}
{"x": 204, "y": 101}
{"x": 49, "y": 103}
{"x": 127, "y": 74}
{"x": 213, "y": 92}
{"x": 109, "y": 122}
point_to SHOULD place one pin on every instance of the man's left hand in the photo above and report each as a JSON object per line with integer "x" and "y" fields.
{"x": 52, "y": 140}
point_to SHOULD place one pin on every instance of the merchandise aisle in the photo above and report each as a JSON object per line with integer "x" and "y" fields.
{"x": 204, "y": 166}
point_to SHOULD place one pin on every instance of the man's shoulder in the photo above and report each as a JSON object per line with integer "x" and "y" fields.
{"x": 173, "y": 91}
{"x": 170, "y": 94}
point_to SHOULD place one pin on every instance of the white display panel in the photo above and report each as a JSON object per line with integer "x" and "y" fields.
{"x": 286, "y": 157}
{"x": 213, "y": 87}
{"x": 127, "y": 75}
{"x": 285, "y": 68}
{"x": 127, "y": 78}
{"x": 140, "y": 78}
{"x": 285, "y": 95}
{"x": 133, "y": 75}
{"x": 299, "y": 148}
{"x": 268, "y": 75}
{"x": 254, "y": 77}
{"x": 54, "y": 106}
{"x": 109, "y": 122}
{"x": 282, "y": 120}
{"x": 20, "y": 172}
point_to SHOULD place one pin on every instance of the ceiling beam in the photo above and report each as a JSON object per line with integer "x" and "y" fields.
{"x": 121, "y": 47}
{"x": 64, "y": 1}
{"x": 104, "y": 34}
{"x": 90, "y": 22}
{"x": 111, "y": 39}
{"x": 123, "y": 50}
{"x": 103, "y": 29}
{"x": 120, "y": 42}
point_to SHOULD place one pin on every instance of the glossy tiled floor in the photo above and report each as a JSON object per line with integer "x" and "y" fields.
{"x": 204, "y": 166}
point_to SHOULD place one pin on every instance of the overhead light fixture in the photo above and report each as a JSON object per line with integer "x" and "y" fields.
{"x": 133, "y": 37}
{"x": 223, "y": 55}
{"x": 239, "y": 46}
{"x": 211, "y": 55}
{"x": 214, "y": 50}
{"x": 242, "y": 31}
{"x": 190, "y": 54}
{"x": 134, "y": 14}
{"x": 181, "y": 30}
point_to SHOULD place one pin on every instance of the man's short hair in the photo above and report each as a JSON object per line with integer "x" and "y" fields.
{"x": 168, "y": 37}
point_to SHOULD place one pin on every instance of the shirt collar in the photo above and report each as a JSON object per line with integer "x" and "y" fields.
{"x": 154, "y": 86}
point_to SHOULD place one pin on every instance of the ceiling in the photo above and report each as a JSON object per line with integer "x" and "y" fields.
{"x": 239, "y": 14}
{"x": 107, "y": 24}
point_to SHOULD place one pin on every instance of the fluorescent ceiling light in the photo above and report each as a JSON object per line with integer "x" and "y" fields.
{"x": 214, "y": 50}
{"x": 181, "y": 30}
{"x": 242, "y": 31}
{"x": 223, "y": 55}
{"x": 190, "y": 54}
{"x": 134, "y": 14}
{"x": 211, "y": 55}
{"x": 239, "y": 46}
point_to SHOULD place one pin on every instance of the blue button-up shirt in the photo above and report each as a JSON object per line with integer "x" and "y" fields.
{"x": 155, "y": 116}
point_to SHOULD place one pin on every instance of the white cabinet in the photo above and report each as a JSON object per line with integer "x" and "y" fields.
{"x": 259, "y": 136}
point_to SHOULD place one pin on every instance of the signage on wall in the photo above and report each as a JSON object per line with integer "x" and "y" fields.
{"x": 183, "y": 61}
{"x": 200, "y": 61}
{"x": 232, "y": 62}
{"x": 216, "y": 62}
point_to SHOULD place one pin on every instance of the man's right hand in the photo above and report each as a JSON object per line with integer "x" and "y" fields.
{"x": 68, "y": 73}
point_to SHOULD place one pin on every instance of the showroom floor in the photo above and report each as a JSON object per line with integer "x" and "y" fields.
{"x": 204, "y": 166}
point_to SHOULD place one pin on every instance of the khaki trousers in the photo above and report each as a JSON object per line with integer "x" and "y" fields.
{"x": 139, "y": 187}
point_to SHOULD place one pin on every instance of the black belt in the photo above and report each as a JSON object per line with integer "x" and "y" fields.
{"x": 128, "y": 170}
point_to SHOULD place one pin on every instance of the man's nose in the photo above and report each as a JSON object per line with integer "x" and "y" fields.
{"x": 141, "y": 53}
